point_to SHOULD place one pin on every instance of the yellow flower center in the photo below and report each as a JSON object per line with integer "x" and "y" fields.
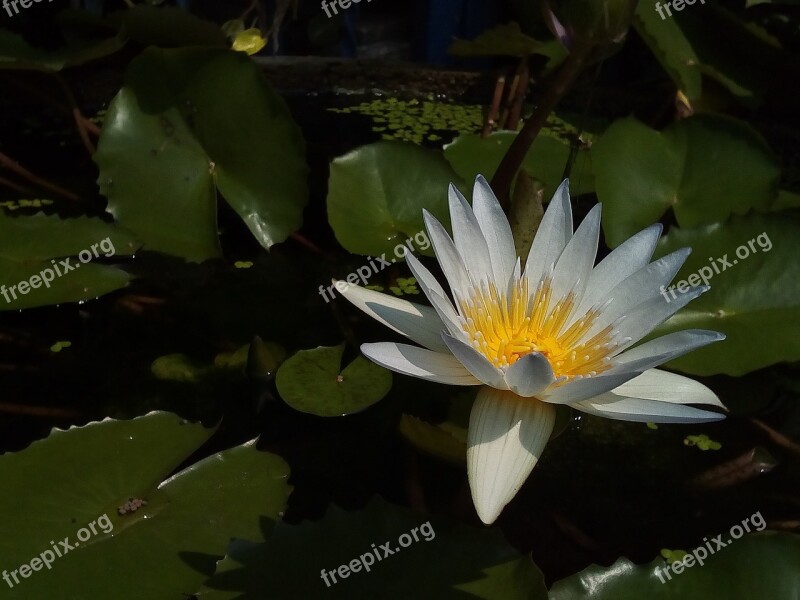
{"x": 506, "y": 326}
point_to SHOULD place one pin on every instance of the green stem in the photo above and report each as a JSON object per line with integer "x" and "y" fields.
{"x": 512, "y": 161}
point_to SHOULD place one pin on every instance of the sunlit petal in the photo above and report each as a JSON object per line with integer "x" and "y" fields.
{"x": 415, "y": 321}
{"x": 505, "y": 440}
{"x": 418, "y": 362}
{"x": 554, "y": 232}
{"x": 494, "y": 225}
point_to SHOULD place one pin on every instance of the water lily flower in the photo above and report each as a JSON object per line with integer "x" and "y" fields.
{"x": 558, "y": 331}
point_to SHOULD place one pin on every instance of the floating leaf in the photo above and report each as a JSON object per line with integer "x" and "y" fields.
{"x": 16, "y": 53}
{"x": 59, "y": 346}
{"x": 376, "y": 194}
{"x": 33, "y": 250}
{"x": 501, "y": 40}
{"x": 165, "y": 548}
{"x": 704, "y": 168}
{"x": 736, "y": 572}
{"x": 170, "y": 142}
{"x": 444, "y": 441}
{"x": 669, "y": 45}
{"x": 447, "y": 561}
{"x": 249, "y": 41}
{"x": 471, "y": 155}
{"x": 167, "y": 26}
{"x": 177, "y": 367}
{"x": 310, "y": 382}
{"x": 754, "y": 300}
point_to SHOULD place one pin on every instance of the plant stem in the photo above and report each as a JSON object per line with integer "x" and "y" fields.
{"x": 569, "y": 71}
{"x": 11, "y": 164}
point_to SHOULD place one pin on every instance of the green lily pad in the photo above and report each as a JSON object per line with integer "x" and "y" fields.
{"x": 754, "y": 300}
{"x": 310, "y": 382}
{"x": 761, "y": 565}
{"x": 472, "y": 155}
{"x": 178, "y": 367}
{"x": 445, "y": 440}
{"x": 16, "y": 53}
{"x": 705, "y": 168}
{"x": 447, "y": 561}
{"x": 150, "y": 538}
{"x": 669, "y": 45}
{"x": 172, "y": 139}
{"x": 376, "y": 194}
{"x": 501, "y": 40}
{"x": 34, "y": 248}
{"x": 166, "y": 26}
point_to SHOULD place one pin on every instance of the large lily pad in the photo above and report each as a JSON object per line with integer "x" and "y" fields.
{"x": 166, "y": 26}
{"x": 754, "y": 300}
{"x": 310, "y": 382}
{"x": 546, "y": 160}
{"x": 376, "y": 194}
{"x": 96, "y": 41}
{"x": 704, "y": 168}
{"x": 447, "y": 561}
{"x": 165, "y": 548}
{"x": 34, "y": 248}
{"x": 174, "y": 137}
{"x": 761, "y": 565}
{"x": 669, "y": 45}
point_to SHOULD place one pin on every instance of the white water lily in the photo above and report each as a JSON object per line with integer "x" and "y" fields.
{"x": 559, "y": 331}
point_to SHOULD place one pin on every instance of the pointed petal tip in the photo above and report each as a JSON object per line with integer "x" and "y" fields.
{"x": 506, "y": 437}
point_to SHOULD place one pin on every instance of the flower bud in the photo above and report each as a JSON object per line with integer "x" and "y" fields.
{"x": 602, "y": 24}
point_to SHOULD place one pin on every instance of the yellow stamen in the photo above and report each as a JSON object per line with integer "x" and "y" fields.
{"x": 506, "y": 325}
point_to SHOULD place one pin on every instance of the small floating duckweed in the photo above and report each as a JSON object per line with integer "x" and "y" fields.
{"x": 25, "y": 203}
{"x": 702, "y": 441}
{"x": 415, "y": 120}
{"x": 59, "y": 346}
{"x": 672, "y": 556}
{"x": 404, "y": 285}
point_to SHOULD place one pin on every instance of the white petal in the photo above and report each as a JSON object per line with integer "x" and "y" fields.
{"x": 624, "y": 260}
{"x": 453, "y": 325}
{"x": 529, "y": 375}
{"x": 418, "y": 362}
{"x": 448, "y": 257}
{"x": 663, "y": 386}
{"x": 620, "y": 408}
{"x": 468, "y": 238}
{"x": 475, "y": 362}
{"x": 575, "y": 264}
{"x": 415, "y": 321}
{"x": 554, "y": 232}
{"x": 434, "y": 291}
{"x": 505, "y": 440}
{"x": 641, "y": 287}
{"x": 663, "y": 349}
{"x": 496, "y": 231}
{"x": 581, "y": 389}
{"x": 646, "y": 317}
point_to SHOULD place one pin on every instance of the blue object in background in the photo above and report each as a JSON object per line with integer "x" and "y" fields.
{"x": 442, "y": 20}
